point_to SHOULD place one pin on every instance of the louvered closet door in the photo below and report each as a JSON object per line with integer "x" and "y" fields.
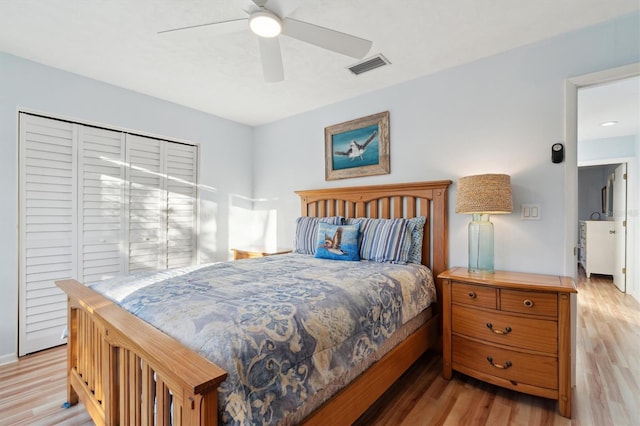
{"x": 48, "y": 217}
{"x": 182, "y": 195}
{"x": 146, "y": 209}
{"x": 101, "y": 172}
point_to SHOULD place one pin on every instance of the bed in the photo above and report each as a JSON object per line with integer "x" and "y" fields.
{"x": 125, "y": 371}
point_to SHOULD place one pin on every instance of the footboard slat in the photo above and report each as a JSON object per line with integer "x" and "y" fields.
{"x": 90, "y": 354}
{"x": 148, "y": 394}
{"x": 123, "y": 384}
{"x": 163, "y": 399}
{"x": 82, "y": 334}
{"x": 72, "y": 350}
{"x": 97, "y": 362}
{"x": 135, "y": 376}
{"x": 110, "y": 382}
{"x": 127, "y": 372}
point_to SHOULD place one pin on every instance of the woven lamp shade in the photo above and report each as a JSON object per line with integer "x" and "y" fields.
{"x": 489, "y": 193}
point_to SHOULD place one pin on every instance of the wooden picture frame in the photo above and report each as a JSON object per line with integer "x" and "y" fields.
{"x": 357, "y": 148}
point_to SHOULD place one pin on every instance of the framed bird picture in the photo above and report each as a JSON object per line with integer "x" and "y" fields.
{"x": 357, "y": 148}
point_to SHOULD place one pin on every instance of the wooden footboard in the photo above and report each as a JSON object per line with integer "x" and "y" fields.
{"x": 126, "y": 372}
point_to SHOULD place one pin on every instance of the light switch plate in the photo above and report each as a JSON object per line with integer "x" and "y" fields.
{"x": 530, "y": 212}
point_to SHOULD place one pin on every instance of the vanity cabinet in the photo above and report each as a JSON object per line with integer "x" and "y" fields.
{"x": 597, "y": 247}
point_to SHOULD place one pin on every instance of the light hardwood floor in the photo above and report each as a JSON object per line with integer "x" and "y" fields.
{"x": 607, "y": 392}
{"x": 33, "y": 390}
{"x": 607, "y": 388}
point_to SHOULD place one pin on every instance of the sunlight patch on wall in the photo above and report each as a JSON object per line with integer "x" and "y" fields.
{"x": 249, "y": 228}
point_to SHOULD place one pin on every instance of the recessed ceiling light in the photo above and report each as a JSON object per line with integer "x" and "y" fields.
{"x": 608, "y": 123}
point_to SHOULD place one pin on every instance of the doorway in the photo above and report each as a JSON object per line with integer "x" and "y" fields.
{"x": 599, "y": 149}
{"x": 602, "y": 215}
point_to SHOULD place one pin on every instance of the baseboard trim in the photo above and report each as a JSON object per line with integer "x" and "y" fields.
{"x": 8, "y": 359}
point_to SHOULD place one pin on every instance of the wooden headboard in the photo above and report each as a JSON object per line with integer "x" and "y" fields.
{"x": 402, "y": 200}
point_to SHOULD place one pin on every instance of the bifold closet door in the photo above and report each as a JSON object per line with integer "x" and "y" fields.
{"x": 182, "y": 208}
{"x": 101, "y": 198}
{"x": 146, "y": 207}
{"x": 162, "y": 207}
{"x": 96, "y": 203}
{"x": 48, "y": 228}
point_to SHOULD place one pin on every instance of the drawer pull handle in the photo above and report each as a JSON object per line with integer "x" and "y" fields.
{"x": 528, "y": 303}
{"x": 507, "y": 329}
{"x": 503, "y": 367}
{"x": 472, "y": 295}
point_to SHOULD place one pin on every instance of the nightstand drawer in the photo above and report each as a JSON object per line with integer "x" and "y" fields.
{"x": 473, "y": 295}
{"x": 527, "y": 333}
{"x": 517, "y": 367}
{"x": 529, "y": 302}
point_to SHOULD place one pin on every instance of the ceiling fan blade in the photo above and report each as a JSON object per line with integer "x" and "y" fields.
{"x": 336, "y": 41}
{"x": 282, "y": 8}
{"x": 220, "y": 27}
{"x": 248, "y": 6}
{"x": 271, "y": 59}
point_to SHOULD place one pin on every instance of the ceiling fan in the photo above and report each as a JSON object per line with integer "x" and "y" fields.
{"x": 269, "y": 18}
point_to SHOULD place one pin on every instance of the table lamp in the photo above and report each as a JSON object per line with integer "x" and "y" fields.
{"x": 481, "y": 196}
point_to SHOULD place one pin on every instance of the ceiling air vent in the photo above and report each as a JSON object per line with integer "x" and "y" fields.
{"x": 369, "y": 64}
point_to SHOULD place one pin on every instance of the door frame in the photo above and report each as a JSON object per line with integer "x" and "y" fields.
{"x": 571, "y": 178}
{"x": 571, "y": 147}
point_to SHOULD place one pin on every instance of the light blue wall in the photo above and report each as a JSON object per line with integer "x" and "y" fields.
{"x": 500, "y": 114}
{"x": 591, "y": 180}
{"x": 225, "y": 156}
{"x": 600, "y": 150}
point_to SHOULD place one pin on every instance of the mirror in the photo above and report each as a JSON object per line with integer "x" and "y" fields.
{"x": 609, "y": 203}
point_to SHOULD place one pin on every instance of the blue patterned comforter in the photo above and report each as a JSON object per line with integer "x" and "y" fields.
{"x": 284, "y": 327}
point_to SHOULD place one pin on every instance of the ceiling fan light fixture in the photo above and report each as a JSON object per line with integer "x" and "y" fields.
{"x": 264, "y": 23}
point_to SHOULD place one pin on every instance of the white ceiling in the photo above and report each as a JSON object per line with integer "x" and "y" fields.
{"x": 617, "y": 101}
{"x": 117, "y": 41}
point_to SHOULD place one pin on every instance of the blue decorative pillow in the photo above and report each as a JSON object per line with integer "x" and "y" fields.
{"x": 338, "y": 242}
{"x": 417, "y": 235}
{"x": 307, "y": 232}
{"x": 385, "y": 240}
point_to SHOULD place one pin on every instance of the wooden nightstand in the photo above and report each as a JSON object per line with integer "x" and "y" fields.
{"x": 510, "y": 329}
{"x": 256, "y": 252}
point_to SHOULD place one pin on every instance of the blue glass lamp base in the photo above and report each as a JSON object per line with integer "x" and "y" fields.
{"x": 481, "y": 244}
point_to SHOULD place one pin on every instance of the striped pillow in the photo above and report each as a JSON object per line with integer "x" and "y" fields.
{"x": 385, "y": 240}
{"x": 307, "y": 232}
